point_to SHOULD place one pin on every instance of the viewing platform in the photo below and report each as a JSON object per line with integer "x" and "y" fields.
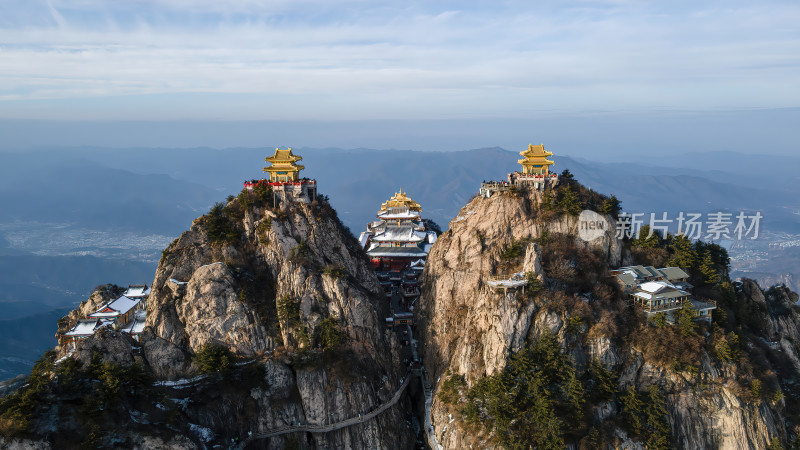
{"x": 538, "y": 181}
{"x": 250, "y": 185}
{"x": 505, "y": 282}
{"x": 490, "y": 187}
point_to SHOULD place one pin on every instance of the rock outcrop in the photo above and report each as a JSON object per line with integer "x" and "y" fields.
{"x": 266, "y": 294}
{"x": 260, "y": 282}
{"x": 470, "y": 329}
{"x": 467, "y": 326}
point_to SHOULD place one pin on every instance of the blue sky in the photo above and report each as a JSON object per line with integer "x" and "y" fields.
{"x": 355, "y": 60}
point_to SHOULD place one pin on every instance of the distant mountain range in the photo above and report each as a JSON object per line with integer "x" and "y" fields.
{"x": 163, "y": 189}
{"x": 160, "y": 191}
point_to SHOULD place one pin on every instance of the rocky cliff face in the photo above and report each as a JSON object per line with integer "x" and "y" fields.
{"x": 268, "y": 293}
{"x": 285, "y": 289}
{"x": 470, "y": 329}
{"x": 289, "y": 292}
{"x": 470, "y": 326}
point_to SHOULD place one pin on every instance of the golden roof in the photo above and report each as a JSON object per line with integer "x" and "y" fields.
{"x": 400, "y": 199}
{"x": 283, "y": 159}
{"x": 535, "y": 150}
{"x": 536, "y": 154}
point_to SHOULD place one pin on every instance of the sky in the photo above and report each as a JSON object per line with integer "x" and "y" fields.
{"x": 320, "y": 60}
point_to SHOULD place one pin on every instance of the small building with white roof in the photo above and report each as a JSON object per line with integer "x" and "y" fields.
{"x": 126, "y": 313}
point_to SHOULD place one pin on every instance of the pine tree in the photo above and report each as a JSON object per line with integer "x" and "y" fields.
{"x": 686, "y": 318}
{"x": 683, "y": 253}
{"x": 755, "y": 389}
{"x": 723, "y": 350}
{"x": 604, "y": 385}
{"x": 572, "y": 393}
{"x": 656, "y": 416}
{"x": 632, "y": 407}
{"x": 708, "y": 269}
{"x": 659, "y": 320}
{"x": 568, "y": 201}
{"x": 610, "y": 206}
{"x": 548, "y": 202}
{"x": 735, "y": 345}
{"x": 647, "y": 238}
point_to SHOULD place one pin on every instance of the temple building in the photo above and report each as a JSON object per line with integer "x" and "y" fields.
{"x": 630, "y": 277}
{"x": 535, "y": 173}
{"x": 398, "y": 238}
{"x": 284, "y": 168}
{"x": 284, "y": 178}
{"x": 397, "y": 243}
{"x": 663, "y": 290}
{"x": 535, "y": 160}
{"x": 126, "y": 314}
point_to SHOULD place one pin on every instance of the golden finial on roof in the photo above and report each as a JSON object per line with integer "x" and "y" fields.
{"x": 400, "y": 199}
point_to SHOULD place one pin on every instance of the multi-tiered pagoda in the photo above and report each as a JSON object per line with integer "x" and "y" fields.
{"x": 535, "y": 161}
{"x": 398, "y": 238}
{"x": 284, "y": 177}
{"x": 535, "y": 168}
{"x": 398, "y": 243}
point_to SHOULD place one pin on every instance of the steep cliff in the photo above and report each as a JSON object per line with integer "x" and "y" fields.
{"x": 621, "y": 381}
{"x": 286, "y": 292}
{"x": 266, "y": 295}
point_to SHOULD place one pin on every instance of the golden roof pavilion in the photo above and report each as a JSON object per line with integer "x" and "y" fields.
{"x": 399, "y": 200}
{"x": 284, "y": 168}
{"x": 536, "y": 161}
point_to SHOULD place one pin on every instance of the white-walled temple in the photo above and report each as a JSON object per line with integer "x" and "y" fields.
{"x": 397, "y": 243}
{"x": 398, "y": 238}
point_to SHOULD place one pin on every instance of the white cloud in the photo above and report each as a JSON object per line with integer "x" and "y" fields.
{"x": 401, "y": 60}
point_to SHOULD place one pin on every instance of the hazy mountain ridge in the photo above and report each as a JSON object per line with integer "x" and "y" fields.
{"x": 41, "y": 187}
{"x": 359, "y": 179}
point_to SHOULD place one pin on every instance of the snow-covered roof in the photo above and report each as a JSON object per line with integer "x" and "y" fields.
{"x": 136, "y": 325}
{"x": 84, "y": 327}
{"x": 654, "y": 287}
{"x": 432, "y": 237}
{"x": 137, "y": 291}
{"x": 87, "y": 327}
{"x": 399, "y": 234}
{"x": 659, "y": 289}
{"x": 118, "y": 307}
{"x": 398, "y": 215}
{"x": 418, "y": 263}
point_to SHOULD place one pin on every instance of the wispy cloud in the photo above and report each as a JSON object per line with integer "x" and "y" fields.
{"x": 362, "y": 59}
